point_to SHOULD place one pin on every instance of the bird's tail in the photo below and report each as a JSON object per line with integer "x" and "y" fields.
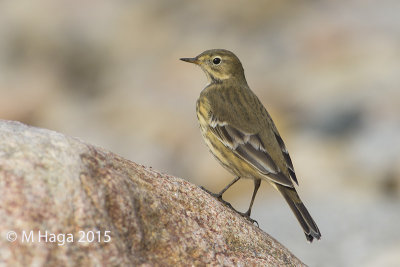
{"x": 306, "y": 221}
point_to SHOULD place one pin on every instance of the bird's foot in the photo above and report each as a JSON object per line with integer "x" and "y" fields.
{"x": 247, "y": 216}
{"x": 219, "y": 197}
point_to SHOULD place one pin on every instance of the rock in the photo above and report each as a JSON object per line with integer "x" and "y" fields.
{"x": 69, "y": 203}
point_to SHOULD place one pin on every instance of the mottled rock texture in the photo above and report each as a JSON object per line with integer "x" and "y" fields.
{"x": 54, "y": 183}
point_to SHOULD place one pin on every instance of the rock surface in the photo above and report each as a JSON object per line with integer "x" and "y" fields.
{"x": 64, "y": 200}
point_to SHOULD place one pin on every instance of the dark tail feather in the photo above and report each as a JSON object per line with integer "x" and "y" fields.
{"x": 306, "y": 221}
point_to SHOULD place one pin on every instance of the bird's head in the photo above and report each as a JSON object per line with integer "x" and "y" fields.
{"x": 219, "y": 65}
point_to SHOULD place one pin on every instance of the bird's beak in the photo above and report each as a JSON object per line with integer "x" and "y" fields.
{"x": 190, "y": 60}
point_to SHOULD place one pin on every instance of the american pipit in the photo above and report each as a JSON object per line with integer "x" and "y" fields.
{"x": 241, "y": 134}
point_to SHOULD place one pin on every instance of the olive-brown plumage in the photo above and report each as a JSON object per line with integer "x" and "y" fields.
{"x": 241, "y": 134}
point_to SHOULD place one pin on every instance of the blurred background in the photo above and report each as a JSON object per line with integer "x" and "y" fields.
{"x": 108, "y": 73}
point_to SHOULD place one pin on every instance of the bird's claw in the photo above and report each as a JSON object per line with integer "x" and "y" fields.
{"x": 219, "y": 197}
{"x": 247, "y": 216}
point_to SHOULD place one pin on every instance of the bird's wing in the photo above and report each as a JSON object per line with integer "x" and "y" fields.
{"x": 286, "y": 155}
{"x": 250, "y": 148}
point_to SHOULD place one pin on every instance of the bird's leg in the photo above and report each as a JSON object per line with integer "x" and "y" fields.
{"x": 257, "y": 183}
{"x": 219, "y": 195}
{"x": 246, "y": 214}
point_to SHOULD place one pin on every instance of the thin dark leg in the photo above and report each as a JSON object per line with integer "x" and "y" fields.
{"x": 219, "y": 195}
{"x": 257, "y": 184}
{"x": 229, "y": 185}
{"x": 246, "y": 214}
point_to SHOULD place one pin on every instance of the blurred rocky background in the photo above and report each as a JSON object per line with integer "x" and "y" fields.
{"x": 328, "y": 72}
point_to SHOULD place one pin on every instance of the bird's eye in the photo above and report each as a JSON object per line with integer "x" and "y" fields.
{"x": 217, "y": 60}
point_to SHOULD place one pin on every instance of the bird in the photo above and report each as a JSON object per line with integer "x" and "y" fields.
{"x": 242, "y": 136}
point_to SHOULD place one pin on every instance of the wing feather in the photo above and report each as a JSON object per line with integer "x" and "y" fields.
{"x": 250, "y": 148}
{"x": 286, "y": 155}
